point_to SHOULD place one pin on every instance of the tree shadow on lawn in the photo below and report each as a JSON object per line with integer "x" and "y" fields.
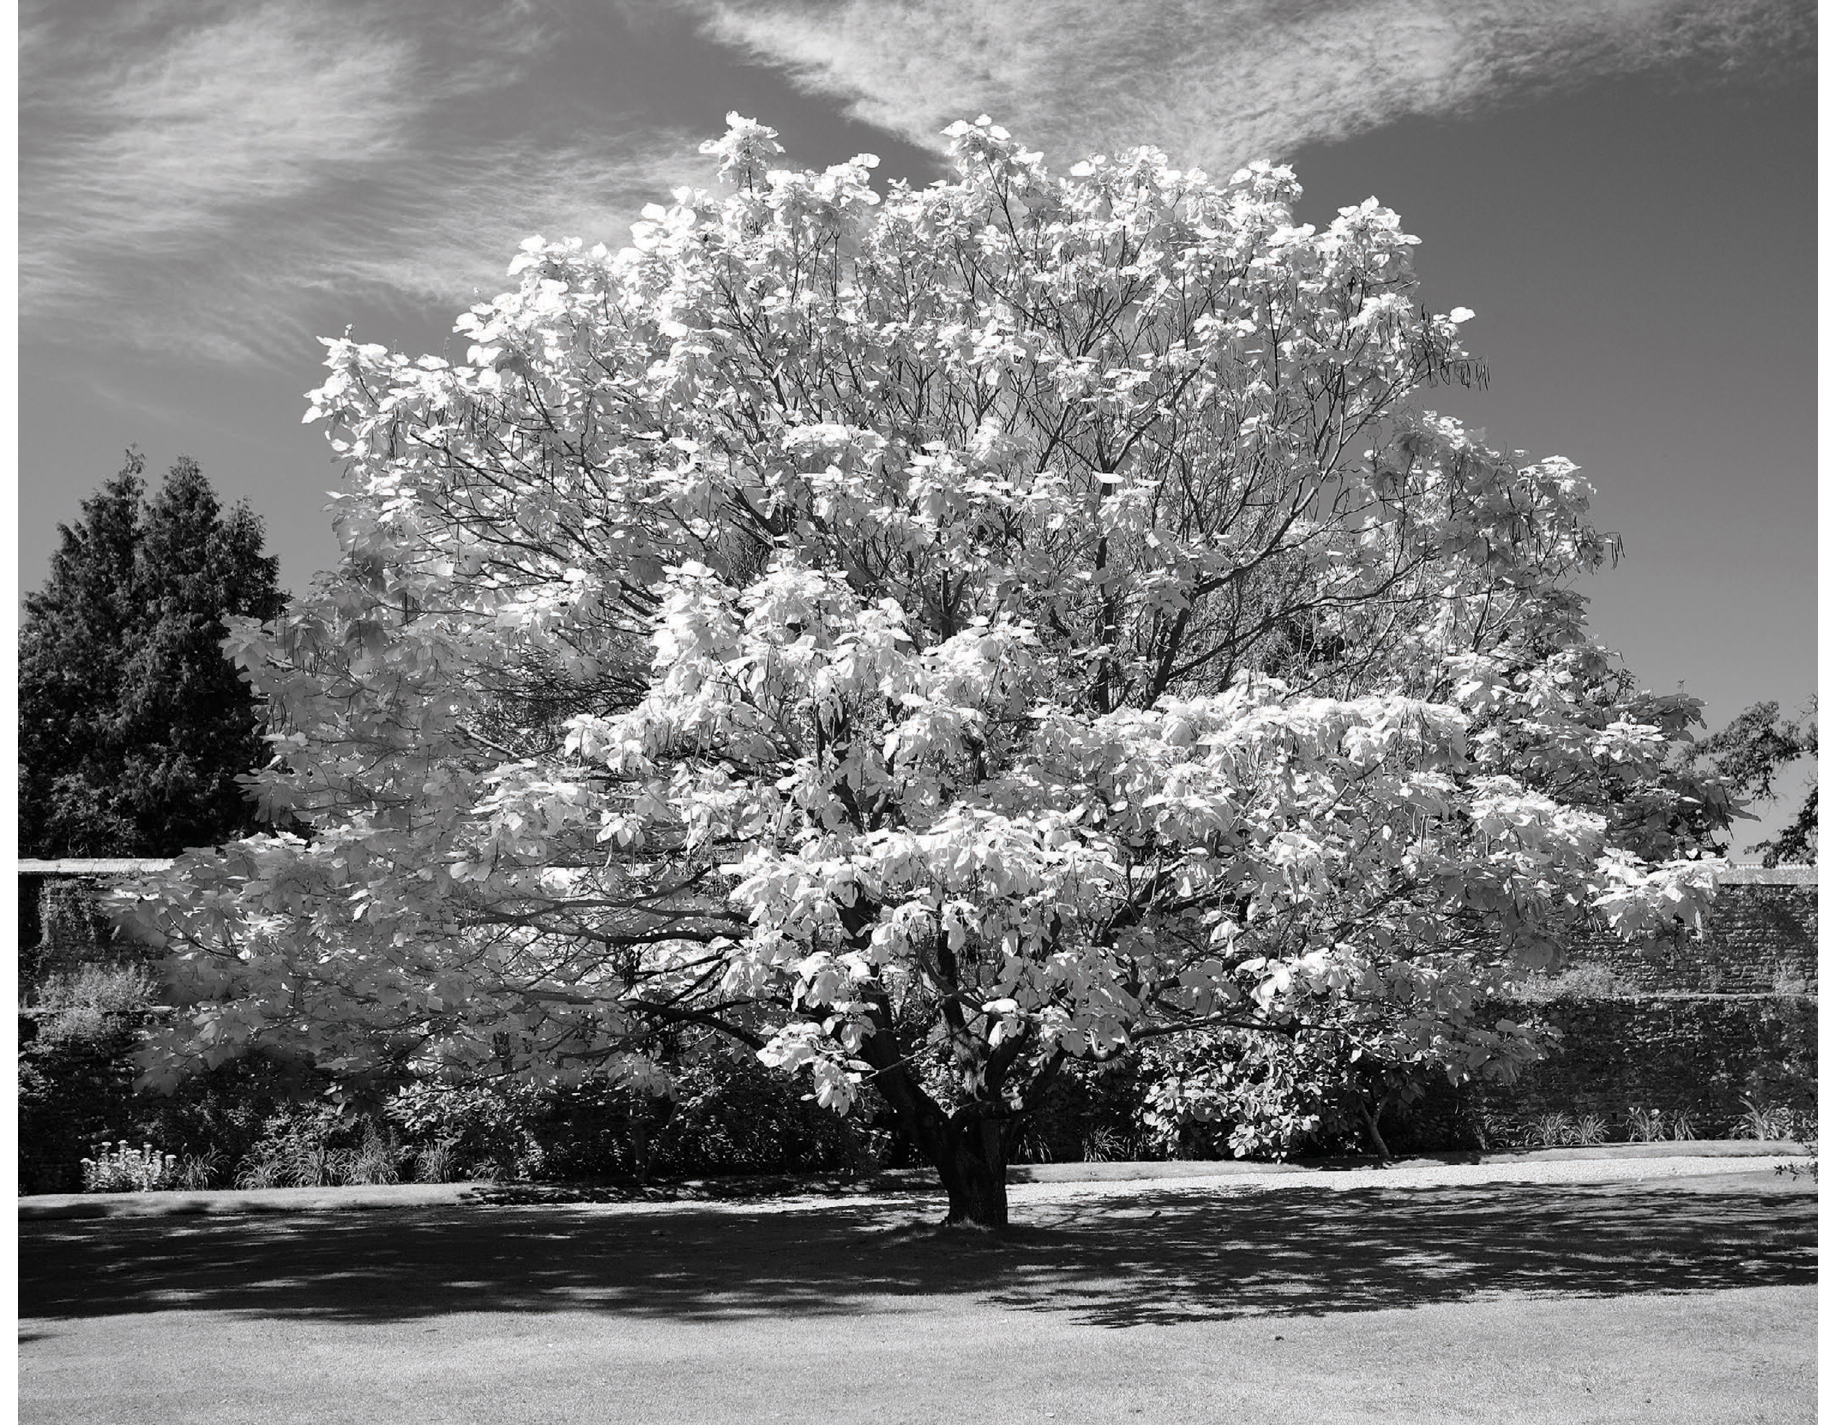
{"x": 1161, "y": 1256}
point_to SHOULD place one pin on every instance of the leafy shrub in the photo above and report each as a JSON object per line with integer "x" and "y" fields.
{"x": 1085, "y": 1107}
{"x": 738, "y": 1116}
{"x": 76, "y": 1083}
{"x": 228, "y": 1110}
{"x": 471, "y": 1130}
{"x": 1589, "y": 1129}
{"x": 1644, "y": 1125}
{"x": 1262, "y": 1096}
{"x": 723, "y": 1115}
{"x": 1226, "y": 1096}
{"x": 113, "y": 989}
{"x": 76, "y": 1078}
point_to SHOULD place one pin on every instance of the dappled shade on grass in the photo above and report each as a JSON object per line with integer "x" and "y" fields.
{"x": 1160, "y": 1256}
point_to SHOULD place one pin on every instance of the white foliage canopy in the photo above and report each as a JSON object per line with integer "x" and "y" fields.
{"x": 973, "y": 626}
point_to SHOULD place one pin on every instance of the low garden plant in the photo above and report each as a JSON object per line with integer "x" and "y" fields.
{"x": 1552, "y": 1130}
{"x": 1775, "y": 1121}
{"x": 318, "y": 1145}
{"x": 119, "y": 1167}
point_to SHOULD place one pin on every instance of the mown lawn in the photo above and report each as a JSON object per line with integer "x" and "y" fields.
{"x": 1630, "y": 1301}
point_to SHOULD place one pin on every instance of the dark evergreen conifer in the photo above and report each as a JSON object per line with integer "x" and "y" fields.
{"x": 133, "y": 727}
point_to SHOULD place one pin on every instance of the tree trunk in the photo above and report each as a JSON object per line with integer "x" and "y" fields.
{"x": 640, "y": 1151}
{"x": 968, "y": 1148}
{"x": 968, "y": 1151}
{"x": 1370, "y": 1122}
{"x": 973, "y": 1166}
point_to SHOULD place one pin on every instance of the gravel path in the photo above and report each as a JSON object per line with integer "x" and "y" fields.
{"x": 1575, "y": 1170}
{"x": 1748, "y": 1169}
{"x": 1056, "y": 1182}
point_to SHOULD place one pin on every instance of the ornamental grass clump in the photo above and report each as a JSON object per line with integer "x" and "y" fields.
{"x": 320, "y": 1146}
{"x": 1775, "y": 1123}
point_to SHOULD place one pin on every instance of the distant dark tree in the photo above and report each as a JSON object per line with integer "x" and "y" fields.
{"x": 1750, "y": 752}
{"x": 133, "y": 726}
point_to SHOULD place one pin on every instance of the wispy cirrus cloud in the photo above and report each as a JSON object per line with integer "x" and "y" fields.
{"x": 1218, "y": 82}
{"x": 227, "y": 179}
{"x": 212, "y": 179}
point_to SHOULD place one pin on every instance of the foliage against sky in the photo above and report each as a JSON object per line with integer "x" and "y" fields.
{"x": 1752, "y": 753}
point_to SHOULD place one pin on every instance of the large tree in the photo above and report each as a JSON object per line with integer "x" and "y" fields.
{"x": 926, "y": 638}
{"x": 133, "y": 727}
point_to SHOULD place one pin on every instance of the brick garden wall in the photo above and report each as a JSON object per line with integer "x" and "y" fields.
{"x": 1762, "y": 939}
{"x": 1699, "y": 1027}
{"x": 61, "y": 924}
{"x": 1699, "y": 1054}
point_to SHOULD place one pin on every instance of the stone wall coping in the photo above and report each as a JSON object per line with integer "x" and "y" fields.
{"x": 1768, "y": 876}
{"x": 95, "y": 866}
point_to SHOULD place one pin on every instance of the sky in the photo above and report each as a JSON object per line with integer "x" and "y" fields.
{"x": 1623, "y": 190}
